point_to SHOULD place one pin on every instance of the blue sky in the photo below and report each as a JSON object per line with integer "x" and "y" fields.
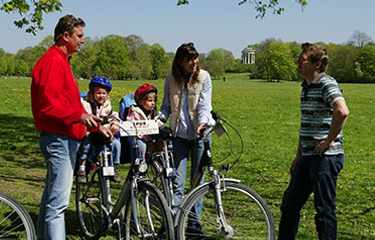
{"x": 208, "y": 23}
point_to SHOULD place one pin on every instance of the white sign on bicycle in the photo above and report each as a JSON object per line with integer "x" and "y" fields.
{"x": 138, "y": 128}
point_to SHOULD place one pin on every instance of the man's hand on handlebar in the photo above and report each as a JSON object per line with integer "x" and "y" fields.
{"x": 91, "y": 121}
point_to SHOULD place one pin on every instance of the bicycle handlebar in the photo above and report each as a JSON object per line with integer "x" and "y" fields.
{"x": 220, "y": 128}
{"x": 217, "y": 127}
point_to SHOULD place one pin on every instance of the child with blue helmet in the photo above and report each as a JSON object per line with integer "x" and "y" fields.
{"x": 98, "y": 103}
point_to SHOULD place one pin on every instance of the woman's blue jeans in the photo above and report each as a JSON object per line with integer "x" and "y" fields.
{"x": 182, "y": 148}
{"x": 60, "y": 155}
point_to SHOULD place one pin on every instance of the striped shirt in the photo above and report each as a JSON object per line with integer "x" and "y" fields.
{"x": 317, "y": 101}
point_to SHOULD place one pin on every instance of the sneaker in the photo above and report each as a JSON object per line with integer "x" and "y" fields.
{"x": 82, "y": 169}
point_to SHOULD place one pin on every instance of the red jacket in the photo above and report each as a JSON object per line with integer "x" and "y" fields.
{"x": 55, "y": 98}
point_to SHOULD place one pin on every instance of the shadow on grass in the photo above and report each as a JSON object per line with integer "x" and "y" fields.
{"x": 19, "y": 142}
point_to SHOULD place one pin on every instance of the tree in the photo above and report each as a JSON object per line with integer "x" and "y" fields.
{"x": 359, "y": 39}
{"x": 274, "y": 61}
{"x": 32, "y": 12}
{"x": 46, "y": 42}
{"x": 4, "y": 61}
{"x": 239, "y": 67}
{"x": 140, "y": 60}
{"x": 262, "y": 6}
{"x": 366, "y": 61}
{"x": 83, "y": 62}
{"x": 27, "y": 58}
{"x": 342, "y": 62}
{"x": 159, "y": 61}
{"x": 133, "y": 42}
{"x": 112, "y": 58}
{"x": 219, "y": 61}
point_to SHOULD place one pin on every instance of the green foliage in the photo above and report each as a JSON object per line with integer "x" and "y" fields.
{"x": 366, "y": 63}
{"x": 140, "y": 60}
{"x": 239, "y": 67}
{"x": 342, "y": 62}
{"x": 84, "y": 61}
{"x": 360, "y": 39}
{"x": 29, "y": 56}
{"x": 130, "y": 57}
{"x": 275, "y": 61}
{"x": 219, "y": 61}
{"x": 159, "y": 61}
{"x": 262, "y": 6}
{"x": 46, "y": 42}
{"x": 32, "y": 12}
{"x": 112, "y": 58}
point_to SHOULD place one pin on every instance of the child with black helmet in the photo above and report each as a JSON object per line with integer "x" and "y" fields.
{"x": 98, "y": 103}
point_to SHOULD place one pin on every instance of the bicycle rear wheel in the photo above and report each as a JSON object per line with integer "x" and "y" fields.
{"x": 89, "y": 206}
{"x": 147, "y": 215}
{"x": 246, "y": 213}
{"x": 15, "y": 222}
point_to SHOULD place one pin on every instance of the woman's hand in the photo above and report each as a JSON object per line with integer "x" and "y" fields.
{"x": 200, "y": 129}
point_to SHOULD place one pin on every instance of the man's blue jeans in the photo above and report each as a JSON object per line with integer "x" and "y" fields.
{"x": 312, "y": 174}
{"x": 181, "y": 150}
{"x": 60, "y": 155}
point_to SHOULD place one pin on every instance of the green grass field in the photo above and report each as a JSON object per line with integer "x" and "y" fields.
{"x": 267, "y": 116}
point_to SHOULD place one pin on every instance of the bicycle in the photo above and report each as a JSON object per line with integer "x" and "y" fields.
{"x": 15, "y": 222}
{"x": 231, "y": 209}
{"x": 140, "y": 212}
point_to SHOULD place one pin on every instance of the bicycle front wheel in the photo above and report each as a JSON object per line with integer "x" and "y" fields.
{"x": 245, "y": 215}
{"x": 89, "y": 206}
{"x": 147, "y": 214}
{"x": 15, "y": 222}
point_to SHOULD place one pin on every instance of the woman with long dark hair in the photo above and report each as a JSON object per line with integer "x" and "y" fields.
{"x": 187, "y": 100}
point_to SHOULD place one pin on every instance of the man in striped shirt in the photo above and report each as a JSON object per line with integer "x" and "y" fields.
{"x": 320, "y": 154}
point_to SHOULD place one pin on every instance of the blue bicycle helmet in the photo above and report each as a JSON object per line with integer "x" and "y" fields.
{"x": 99, "y": 81}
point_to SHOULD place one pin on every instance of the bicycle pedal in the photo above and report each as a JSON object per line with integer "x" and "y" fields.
{"x": 91, "y": 200}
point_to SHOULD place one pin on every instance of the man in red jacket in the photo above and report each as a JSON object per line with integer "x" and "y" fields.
{"x": 62, "y": 122}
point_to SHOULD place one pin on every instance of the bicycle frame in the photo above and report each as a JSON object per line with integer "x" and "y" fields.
{"x": 216, "y": 186}
{"x": 217, "y": 178}
{"x": 112, "y": 211}
{"x": 128, "y": 191}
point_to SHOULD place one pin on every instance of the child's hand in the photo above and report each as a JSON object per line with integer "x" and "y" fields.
{"x": 160, "y": 123}
{"x": 114, "y": 128}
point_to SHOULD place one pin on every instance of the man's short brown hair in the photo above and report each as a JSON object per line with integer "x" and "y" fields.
{"x": 67, "y": 24}
{"x": 315, "y": 54}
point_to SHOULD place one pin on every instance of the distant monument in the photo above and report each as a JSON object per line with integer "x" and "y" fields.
{"x": 248, "y": 55}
